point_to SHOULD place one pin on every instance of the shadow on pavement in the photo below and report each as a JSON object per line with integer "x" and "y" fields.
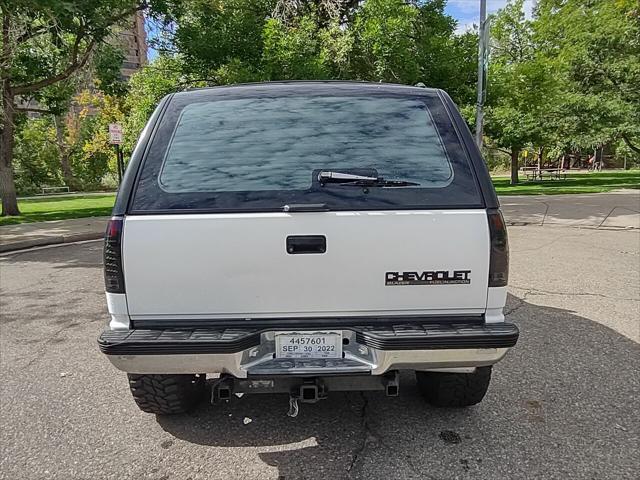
{"x": 563, "y": 403}
{"x": 621, "y": 209}
{"x": 58, "y": 257}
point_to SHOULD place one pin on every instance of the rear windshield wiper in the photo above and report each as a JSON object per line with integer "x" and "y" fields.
{"x": 325, "y": 177}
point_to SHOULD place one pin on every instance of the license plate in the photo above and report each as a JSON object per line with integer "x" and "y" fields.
{"x": 308, "y": 344}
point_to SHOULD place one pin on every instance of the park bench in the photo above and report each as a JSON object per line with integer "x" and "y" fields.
{"x": 535, "y": 173}
{"x": 531, "y": 173}
{"x": 61, "y": 189}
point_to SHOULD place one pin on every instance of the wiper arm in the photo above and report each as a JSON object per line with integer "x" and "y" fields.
{"x": 360, "y": 180}
{"x": 338, "y": 177}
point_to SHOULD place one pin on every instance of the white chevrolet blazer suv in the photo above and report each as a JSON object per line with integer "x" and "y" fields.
{"x": 305, "y": 238}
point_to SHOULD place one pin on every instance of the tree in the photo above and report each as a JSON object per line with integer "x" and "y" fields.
{"x": 104, "y": 78}
{"x": 313, "y": 46}
{"x": 455, "y": 68}
{"x": 446, "y": 60}
{"x": 91, "y": 156}
{"x": 209, "y": 35}
{"x": 521, "y": 91}
{"x": 594, "y": 46}
{"x": 44, "y": 44}
{"x": 146, "y": 88}
{"x": 384, "y": 42}
{"x": 293, "y": 51}
{"x": 397, "y": 41}
{"x": 36, "y": 159}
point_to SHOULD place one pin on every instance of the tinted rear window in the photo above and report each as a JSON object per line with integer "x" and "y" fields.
{"x": 276, "y": 143}
{"x": 260, "y": 150}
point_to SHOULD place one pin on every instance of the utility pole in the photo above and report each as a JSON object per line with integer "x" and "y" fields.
{"x": 482, "y": 70}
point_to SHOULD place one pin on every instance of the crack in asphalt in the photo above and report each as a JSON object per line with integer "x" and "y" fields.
{"x": 605, "y": 218}
{"x": 546, "y": 212}
{"x": 521, "y": 303}
{"x": 362, "y": 413}
{"x": 514, "y": 309}
{"x": 370, "y": 438}
{"x": 548, "y": 244}
{"x": 535, "y": 291}
{"x": 599, "y": 226}
{"x": 612, "y": 210}
{"x": 41, "y": 349}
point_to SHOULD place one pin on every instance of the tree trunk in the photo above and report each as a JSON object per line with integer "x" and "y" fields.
{"x": 69, "y": 179}
{"x": 630, "y": 145}
{"x": 515, "y": 154}
{"x": 7, "y": 184}
{"x": 541, "y": 156}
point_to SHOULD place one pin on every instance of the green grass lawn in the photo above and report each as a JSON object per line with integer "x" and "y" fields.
{"x": 575, "y": 183}
{"x": 41, "y": 209}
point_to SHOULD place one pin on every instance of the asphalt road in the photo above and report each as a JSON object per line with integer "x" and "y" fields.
{"x": 563, "y": 404}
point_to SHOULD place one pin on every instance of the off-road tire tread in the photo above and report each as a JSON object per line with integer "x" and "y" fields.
{"x": 166, "y": 394}
{"x": 454, "y": 389}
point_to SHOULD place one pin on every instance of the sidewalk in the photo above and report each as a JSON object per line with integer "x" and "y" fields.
{"x": 28, "y": 235}
{"x": 617, "y": 210}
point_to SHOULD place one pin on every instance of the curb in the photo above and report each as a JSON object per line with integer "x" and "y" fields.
{"x": 53, "y": 240}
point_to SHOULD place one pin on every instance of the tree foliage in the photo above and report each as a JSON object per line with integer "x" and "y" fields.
{"x": 146, "y": 89}
{"x": 44, "y": 44}
{"x": 219, "y": 42}
{"x": 520, "y": 98}
{"x": 378, "y": 40}
{"x": 563, "y": 79}
{"x": 593, "y": 47}
{"x": 36, "y": 161}
{"x": 94, "y": 157}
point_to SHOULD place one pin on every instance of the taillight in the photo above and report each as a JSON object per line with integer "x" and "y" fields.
{"x": 499, "y": 255}
{"x": 113, "y": 274}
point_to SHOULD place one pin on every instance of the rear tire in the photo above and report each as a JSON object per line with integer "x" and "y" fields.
{"x": 166, "y": 394}
{"x": 454, "y": 389}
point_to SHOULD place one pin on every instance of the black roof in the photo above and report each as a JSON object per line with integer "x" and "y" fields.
{"x": 311, "y": 86}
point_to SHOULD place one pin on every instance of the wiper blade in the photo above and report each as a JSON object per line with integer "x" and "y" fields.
{"x": 325, "y": 177}
{"x": 339, "y": 177}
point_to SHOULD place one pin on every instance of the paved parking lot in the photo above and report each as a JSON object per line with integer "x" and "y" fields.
{"x": 563, "y": 404}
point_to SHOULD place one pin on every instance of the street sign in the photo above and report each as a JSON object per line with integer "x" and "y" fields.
{"x": 115, "y": 134}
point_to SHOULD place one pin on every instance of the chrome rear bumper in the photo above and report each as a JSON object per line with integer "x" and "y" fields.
{"x": 368, "y": 350}
{"x": 440, "y": 360}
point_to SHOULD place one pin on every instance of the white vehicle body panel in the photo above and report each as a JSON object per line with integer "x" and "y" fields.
{"x": 187, "y": 266}
{"x": 496, "y": 300}
{"x": 117, "y": 307}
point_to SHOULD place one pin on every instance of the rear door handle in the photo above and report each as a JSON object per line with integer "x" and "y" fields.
{"x": 306, "y": 244}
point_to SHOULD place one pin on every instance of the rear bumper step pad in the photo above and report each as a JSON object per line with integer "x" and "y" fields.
{"x": 439, "y": 336}
{"x": 428, "y": 336}
{"x": 177, "y": 341}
